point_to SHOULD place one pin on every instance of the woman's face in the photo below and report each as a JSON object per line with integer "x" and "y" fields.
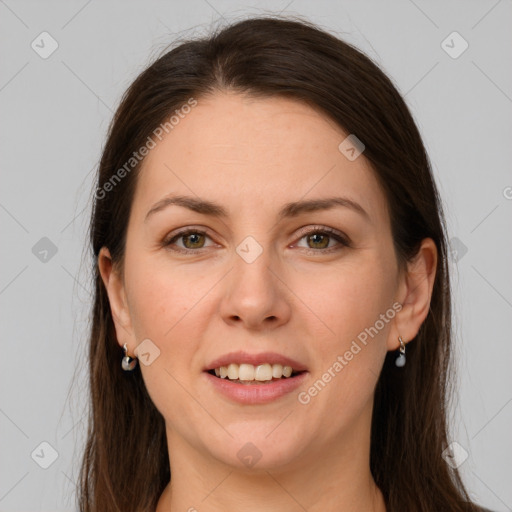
{"x": 259, "y": 281}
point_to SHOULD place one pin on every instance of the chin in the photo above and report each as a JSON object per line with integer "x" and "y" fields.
{"x": 252, "y": 451}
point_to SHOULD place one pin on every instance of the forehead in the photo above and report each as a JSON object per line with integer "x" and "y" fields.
{"x": 249, "y": 152}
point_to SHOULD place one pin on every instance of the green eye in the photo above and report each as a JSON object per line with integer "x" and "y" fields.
{"x": 196, "y": 240}
{"x": 192, "y": 239}
{"x": 322, "y": 240}
{"x": 318, "y": 240}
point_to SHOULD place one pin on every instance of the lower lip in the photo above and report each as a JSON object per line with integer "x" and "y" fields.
{"x": 256, "y": 393}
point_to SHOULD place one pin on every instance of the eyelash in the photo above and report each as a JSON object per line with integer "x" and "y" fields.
{"x": 341, "y": 239}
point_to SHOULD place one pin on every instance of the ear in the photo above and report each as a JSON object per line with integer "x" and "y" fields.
{"x": 114, "y": 285}
{"x": 415, "y": 292}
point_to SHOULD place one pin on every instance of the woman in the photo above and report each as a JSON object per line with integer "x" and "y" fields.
{"x": 271, "y": 325}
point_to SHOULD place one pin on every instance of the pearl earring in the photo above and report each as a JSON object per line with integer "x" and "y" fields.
{"x": 400, "y": 360}
{"x": 128, "y": 363}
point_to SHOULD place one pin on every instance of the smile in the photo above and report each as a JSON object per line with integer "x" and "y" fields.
{"x": 247, "y": 373}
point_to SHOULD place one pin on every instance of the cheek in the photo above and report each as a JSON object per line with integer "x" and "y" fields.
{"x": 347, "y": 365}
{"x": 354, "y": 305}
{"x": 348, "y": 299}
{"x": 168, "y": 305}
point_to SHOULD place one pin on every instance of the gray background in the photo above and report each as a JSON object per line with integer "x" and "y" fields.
{"x": 55, "y": 113}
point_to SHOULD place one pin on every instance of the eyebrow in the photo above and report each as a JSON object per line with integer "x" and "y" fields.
{"x": 289, "y": 210}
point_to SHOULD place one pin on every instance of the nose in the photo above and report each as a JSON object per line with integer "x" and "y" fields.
{"x": 255, "y": 293}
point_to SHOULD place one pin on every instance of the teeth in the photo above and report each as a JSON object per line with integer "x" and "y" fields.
{"x": 246, "y": 372}
{"x": 277, "y": 371}
{"x": 287, "y": 371}
{"x": 263, "y": 372}
{"x": 249, "y": 372}
{"x": 233, "y": 371}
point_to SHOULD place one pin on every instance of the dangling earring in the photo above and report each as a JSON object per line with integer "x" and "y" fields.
{"x": 400, "y": 360}
{"x": 128, "y": 363}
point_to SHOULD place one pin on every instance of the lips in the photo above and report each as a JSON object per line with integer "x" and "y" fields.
{"x": 255, "y": 393}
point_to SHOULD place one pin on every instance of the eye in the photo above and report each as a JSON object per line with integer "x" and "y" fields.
{"x": 193, "y": 239}
{"x": 318, "y": 239}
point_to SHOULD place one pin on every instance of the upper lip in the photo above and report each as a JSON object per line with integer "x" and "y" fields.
{"x": 242, "y": 357}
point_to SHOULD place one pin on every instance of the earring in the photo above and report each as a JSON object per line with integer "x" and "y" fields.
{"x": 128, "y": 363}
{"x": 400, "y": 360}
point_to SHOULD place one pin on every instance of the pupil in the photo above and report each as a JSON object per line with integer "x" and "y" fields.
{"x": 316, "y": 237}
{"x": 194, "y": 238}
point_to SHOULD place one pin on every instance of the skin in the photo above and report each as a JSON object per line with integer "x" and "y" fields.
{"x": 252, "y": 156}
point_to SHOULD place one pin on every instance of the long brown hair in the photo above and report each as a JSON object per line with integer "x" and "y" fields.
{"x": 125, "y": 466}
